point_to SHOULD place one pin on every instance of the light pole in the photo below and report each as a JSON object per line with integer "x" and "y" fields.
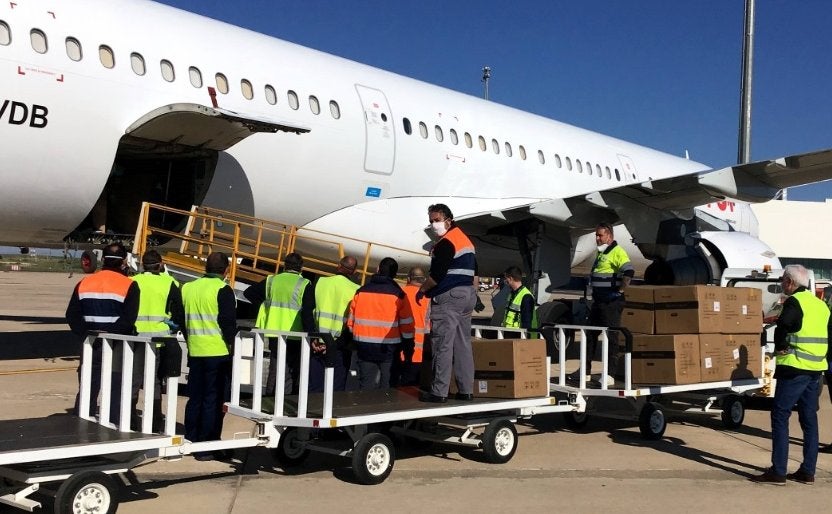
{"x": 486, "y": 74}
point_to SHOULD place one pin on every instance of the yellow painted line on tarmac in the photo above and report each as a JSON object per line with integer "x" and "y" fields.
{"x": 37, "y": 370}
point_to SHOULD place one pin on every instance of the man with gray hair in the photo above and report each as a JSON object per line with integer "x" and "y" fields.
{"x": 801, "y": 345}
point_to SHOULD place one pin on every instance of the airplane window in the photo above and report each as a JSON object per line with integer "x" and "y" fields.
{"x": 495, "y": 146}
{"x": 73, "y": 48}
{"x": 222, "y": 83}
{"x": 195, "y": 76}
{"x": 293, "y": 100}
{"x": 597, "y": 169}
{"x": 271, "y": 94}
{"x": 482, "y": 143}
{"x": 523, "y": 152}
{"x": 38, "y": 39}
{"x": 335, "y": 110}
{"x": 437, "y": 130}
{"x": 541, "y": 157}
{"x": 454, "y": 137}
{"x": 248, "y": 91}
{"x": 568, "y": 164}
{"x": 314, "y": 105}
{"x": 137, "y": 63}
{"x": 408, "y": 128}
{"x": 558, "y": 162}
{"x": 580, "y": 166}
{"x": 105, "y": 55}
{"x": 617, "y": 175}
{"x": 468, "y": 141}
{"x": 167, "y": 70}
{"x": 5, "y": 34}
{"x": 423, "y": 130}
{"x": 508, "y": 149}
{"x": 607, "y": 170}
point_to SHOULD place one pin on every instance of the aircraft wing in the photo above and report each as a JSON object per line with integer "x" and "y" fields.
{"x": 753, "y": 182}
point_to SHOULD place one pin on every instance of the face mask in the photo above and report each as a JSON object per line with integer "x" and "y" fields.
{"x": 439, "y": 228}
{"x": 602, "y": 247}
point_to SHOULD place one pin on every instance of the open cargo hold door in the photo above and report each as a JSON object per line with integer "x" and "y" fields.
{"x": 201, "y": 126}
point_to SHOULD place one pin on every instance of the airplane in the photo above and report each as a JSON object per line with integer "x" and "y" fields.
{"x": 107, "y": 104}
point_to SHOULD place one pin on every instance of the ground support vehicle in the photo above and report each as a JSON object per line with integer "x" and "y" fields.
{"x": 359, "y": 424}
{"x": 649, "y": 405}
{"x": 74, "y": 458}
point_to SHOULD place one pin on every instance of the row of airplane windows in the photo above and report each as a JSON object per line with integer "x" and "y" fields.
{"x": 137, "y": 63}
{"x": 566, "y": 161}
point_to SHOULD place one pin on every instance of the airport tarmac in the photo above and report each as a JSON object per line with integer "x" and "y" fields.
{"x": 697, "y": 467}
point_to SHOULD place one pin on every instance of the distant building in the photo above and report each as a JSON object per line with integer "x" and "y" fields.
{"x": 797, "y": 232}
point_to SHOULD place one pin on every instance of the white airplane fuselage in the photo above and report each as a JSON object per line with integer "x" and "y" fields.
{"x": 361, "y": 174}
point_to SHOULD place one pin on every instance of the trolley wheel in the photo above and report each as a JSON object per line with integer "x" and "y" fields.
{"x": 576, "y": 420}
{"x": 87, "y": 492}
{"x": 372, "y": 458}
{"x": 290, "y": 449}
{"x": 733, "y": 411}
{"x": 652, "y": 421}
{"x": 499, "y": 441}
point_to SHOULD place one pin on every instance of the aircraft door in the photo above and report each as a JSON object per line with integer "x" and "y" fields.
{"x": 628, "y": 169}
{"x": 380, "y": 148}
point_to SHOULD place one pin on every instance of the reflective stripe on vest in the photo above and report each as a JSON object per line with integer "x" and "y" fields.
{"x": 153, "y": 302}
{"x": 332, "y": 302}
{"x": 102, "y": 296}
{"x": 201, "y": 317}
{"x": 281, "y": 308}
{"x": 512, "y": 317}
{"x": 808, "y": 345}
{"x": 461, "y": 270}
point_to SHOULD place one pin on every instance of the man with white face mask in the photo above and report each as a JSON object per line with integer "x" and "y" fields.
{"x": 611, "y": 274}
{"x": 450, "y": 287}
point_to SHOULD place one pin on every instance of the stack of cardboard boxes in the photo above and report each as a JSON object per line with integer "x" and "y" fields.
{"x": 692, "y": 334}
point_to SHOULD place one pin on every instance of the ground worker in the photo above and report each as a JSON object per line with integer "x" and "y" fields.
{"x": 450, "y": 287}
{"x": 611, "y": 274}
{"x": 801, "y": 344}
{"x": 520, "y": 307}
{"x": 107, "y": 301}
{"x": 287, "y": 303}
{"x": 381, "y": 324}
{"x": 160, "y": 314}
{"x": 210, "y": 326}
{"x": 332, "y": 304}
{"x": 408, "y": 367}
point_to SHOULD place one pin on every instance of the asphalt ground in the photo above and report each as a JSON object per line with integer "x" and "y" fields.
{"x": 698, "y": 466}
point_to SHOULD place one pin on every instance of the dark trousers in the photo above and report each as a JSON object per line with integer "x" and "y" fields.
{"x": 605, "y": 314}
{"x": 292, "y": 382}
{"x": 95, "y": 387}
{"x": 803, "y": 391}
{"x": 317, "y": 366}
{"x": 373, "y": 375}
{"x": 209, "y": 386}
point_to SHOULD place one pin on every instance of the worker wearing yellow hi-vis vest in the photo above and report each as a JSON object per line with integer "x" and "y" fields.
{"x": 332, "y": 305}
{"x": 160, "y": 314}
{"x": 801, "y": 347}
{"x": 520, "y": 307}
{"x": 210, "y": 327}
{"x": 286, "y": 303}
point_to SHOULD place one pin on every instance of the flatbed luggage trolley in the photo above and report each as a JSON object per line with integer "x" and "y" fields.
{"x": 80, "y": 454}
{"x": 310, "y": 422}
{"x": 649, "y": 405}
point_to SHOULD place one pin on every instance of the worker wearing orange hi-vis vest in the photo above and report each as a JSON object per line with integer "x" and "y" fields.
{"x": 381, "y": 324}
{"x": 408, "y": 366}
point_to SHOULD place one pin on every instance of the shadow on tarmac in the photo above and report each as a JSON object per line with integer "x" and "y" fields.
{"x": 49, "y": 344}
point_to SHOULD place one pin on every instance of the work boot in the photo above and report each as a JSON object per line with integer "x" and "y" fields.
{"x": 802, "y": 477}
{"x": 769, "y": 477}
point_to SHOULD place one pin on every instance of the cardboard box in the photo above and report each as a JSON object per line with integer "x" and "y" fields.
{"x": 711, "y": 356}
{"x": 688, "y": 309}
{"x": 742, "y": 357}
{"x": 638, "y": 314}
{"x": 742, "y": 309}
{"x": 665, "y": 359}
{"x": 510, "y": 368}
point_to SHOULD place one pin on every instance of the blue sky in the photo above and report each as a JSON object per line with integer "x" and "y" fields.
{"x": 660, "y": 73}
